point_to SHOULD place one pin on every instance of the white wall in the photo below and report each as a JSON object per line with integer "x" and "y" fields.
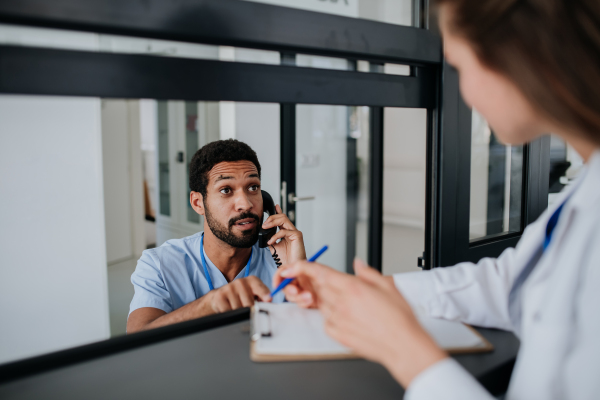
{"x": 53, "y": 291}
{"x": 405, "y": 152}
{"x": 404, "y": 172}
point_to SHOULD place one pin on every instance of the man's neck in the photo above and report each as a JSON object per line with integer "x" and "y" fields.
{"x": 228, "y": 259}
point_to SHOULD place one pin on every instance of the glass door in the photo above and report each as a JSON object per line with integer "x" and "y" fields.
{"x": 329, "y": 203}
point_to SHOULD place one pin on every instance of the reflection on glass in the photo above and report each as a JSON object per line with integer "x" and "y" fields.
{"x": 163, "y": 158}
{"x": 496, "y": 183}
{"x": 331, "y": 165}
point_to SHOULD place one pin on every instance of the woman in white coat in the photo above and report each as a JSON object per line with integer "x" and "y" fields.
{"x": 530, "y": 67}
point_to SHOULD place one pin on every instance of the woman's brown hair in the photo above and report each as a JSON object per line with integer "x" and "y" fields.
{"x": 549, "y": 48}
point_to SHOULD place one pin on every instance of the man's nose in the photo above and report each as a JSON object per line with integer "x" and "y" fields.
{"x": 242, "y": 202}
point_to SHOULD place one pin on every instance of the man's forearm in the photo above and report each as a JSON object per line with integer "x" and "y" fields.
{"x": 196, "y": 309}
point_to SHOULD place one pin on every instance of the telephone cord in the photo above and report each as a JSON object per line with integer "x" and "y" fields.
{"x": 276, "y": 257}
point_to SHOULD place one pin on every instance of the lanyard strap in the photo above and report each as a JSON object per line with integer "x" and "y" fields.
{"x": 552, "y": 222}
{"x": 514, "y": 296}
{"x": 208, "y": 278}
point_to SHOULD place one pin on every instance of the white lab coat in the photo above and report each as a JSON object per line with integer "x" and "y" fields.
{"x": 559, "y": 356}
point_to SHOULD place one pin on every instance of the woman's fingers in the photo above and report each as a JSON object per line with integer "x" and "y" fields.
{"x": 308, "y": 283}
{"x": 372, "y": 276}
{"x": 366, "y": 273}
{"x": 277, "y": 278}
{"x": 301, "y": 268}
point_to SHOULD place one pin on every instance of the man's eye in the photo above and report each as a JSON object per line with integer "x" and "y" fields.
{"x": 225, "y": 190}
{"x": 253, "y": 188}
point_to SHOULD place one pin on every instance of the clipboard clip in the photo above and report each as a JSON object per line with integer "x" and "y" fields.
{"x": 257, "y": 334}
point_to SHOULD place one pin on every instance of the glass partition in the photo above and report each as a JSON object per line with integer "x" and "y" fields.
{"x": 116, "y": 170}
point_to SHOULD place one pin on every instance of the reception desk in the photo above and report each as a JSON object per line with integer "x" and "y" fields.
{"x": 209, "y": 359}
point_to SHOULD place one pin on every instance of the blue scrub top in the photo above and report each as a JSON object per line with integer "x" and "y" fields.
{"x": 171, "y": 276}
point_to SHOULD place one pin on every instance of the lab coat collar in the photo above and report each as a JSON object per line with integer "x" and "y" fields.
{"x": 587, "y": 188}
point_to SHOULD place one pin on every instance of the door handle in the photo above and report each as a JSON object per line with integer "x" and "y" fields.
{"x": 292, "y": 198}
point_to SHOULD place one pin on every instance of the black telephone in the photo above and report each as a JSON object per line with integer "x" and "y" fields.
{"x": 264, "y": 235}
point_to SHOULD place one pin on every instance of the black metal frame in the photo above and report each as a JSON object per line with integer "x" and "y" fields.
{"x": 28, "y": 70}
{"x": 375, "y": 239}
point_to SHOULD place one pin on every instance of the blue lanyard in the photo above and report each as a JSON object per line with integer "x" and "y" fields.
{"x": 208, "y": 278}
{"x": 552, "y": 222}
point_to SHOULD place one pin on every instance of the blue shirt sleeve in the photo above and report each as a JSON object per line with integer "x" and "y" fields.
{"x": 149, "y": 285}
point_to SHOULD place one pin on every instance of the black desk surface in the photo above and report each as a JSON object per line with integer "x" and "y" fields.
{"x": 215, "y": 364}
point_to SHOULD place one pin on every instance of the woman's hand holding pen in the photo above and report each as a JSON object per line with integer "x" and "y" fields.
{"x": 366, "y": 313}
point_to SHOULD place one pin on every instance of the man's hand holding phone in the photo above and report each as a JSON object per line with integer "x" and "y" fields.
{"x": 291, "y": 246}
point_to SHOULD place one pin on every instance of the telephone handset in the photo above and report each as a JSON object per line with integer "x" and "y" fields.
{"x": 264, "y": 235}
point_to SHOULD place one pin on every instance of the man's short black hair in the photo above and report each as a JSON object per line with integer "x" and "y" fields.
{"x": 209, "y": 155}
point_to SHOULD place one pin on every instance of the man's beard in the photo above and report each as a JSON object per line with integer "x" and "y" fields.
{"x": 224, "y": 233}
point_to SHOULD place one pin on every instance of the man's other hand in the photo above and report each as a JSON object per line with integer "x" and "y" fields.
{"x": 237, "y": 294}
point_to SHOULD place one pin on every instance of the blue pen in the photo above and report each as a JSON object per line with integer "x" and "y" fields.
{"x": 286, "y": 281}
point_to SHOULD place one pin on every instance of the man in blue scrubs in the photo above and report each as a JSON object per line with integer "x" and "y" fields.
{"x": 222, "y": 268}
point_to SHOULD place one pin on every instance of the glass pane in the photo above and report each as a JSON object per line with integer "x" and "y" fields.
{"x": 496, "y": 183}
{"x": 397, "y": 12}
{"x": 565, "y": 166}
{"x": 163, "y": 159}
{"x": 332, "y": 169}
{"x": 404, "y": 171}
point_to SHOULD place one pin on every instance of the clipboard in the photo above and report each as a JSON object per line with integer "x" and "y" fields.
{"x": 285, "y": 332}
{"x": 260, "y": 332}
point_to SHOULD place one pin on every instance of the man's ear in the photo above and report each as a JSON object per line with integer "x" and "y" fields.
{"x": 197, "y": 202}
